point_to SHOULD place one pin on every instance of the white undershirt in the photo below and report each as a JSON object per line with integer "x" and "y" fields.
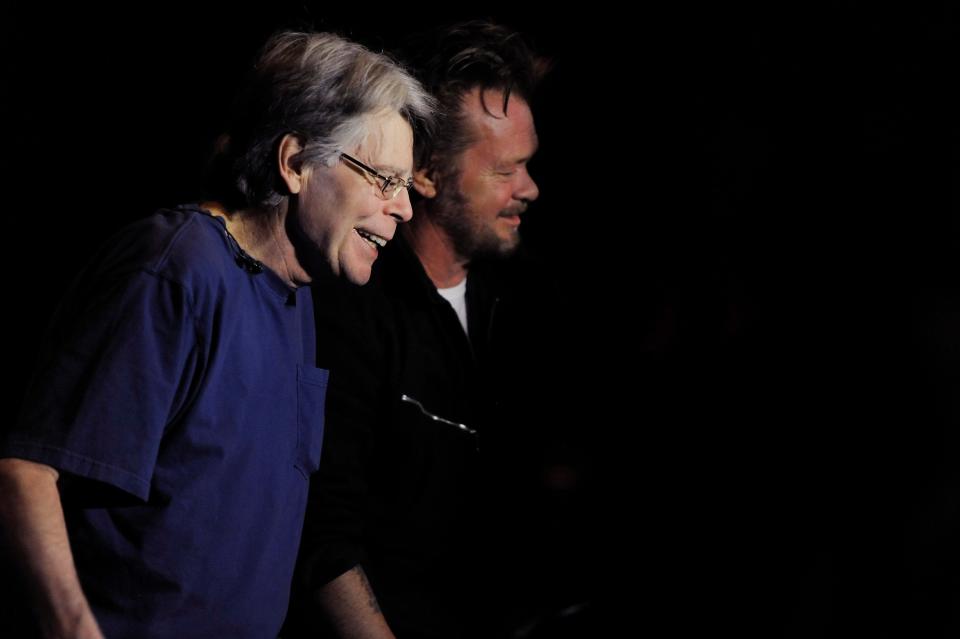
{"x": 457, "y": 296}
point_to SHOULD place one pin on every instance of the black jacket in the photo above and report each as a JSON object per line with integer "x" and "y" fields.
{"x": 432, "y": 511}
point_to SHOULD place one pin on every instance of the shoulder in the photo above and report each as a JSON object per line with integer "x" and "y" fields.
{"x": 177, "y": 257}
{"x": 183, "y": 246}
{"x": 179, "y": 244}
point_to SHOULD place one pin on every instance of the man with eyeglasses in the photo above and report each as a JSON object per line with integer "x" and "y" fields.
{"x": 431, "y": 367}
{"x": 155, "y": 483}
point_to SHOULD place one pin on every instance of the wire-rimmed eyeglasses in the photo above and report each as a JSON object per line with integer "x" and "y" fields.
{"x": 388, "y": 186}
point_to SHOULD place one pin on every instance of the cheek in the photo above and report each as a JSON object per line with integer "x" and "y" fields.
{"x": 352, "y": 212}
{"x": 485, "y": 199}
{"x": 328, "y": 217}
{"x": 498, "y": 199}
{"x": 316, "y": 204}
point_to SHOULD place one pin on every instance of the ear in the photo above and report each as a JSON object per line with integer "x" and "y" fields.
{"x": 290, "y": 169}
{"x": 423, "y": 182}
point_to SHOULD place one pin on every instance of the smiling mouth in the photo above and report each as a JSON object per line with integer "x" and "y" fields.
{"x": 375, "y": 241}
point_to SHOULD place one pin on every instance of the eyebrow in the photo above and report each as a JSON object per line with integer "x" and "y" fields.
{"x": 526, "y": 158}
{"x": 387, "y": 169}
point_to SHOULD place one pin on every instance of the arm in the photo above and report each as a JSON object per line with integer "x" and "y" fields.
{"x": 33, "y": 534}
{"x": 351, "y": 607}
{"x": 332, "y": 590}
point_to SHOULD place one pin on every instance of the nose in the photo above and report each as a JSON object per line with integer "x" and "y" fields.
{"x": 527, "y": 189}
{"x": 400, "y": 208}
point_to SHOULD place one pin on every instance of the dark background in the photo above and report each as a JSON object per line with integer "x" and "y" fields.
{"x": 754, "y": 211}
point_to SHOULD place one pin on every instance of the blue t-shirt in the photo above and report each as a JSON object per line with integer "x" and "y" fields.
{"x": 178, "y": 394}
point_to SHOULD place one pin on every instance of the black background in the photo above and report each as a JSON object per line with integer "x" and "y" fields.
{"x": 754, "y": 210}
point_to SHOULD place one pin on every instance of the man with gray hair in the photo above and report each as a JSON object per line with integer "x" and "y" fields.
{"x": 155, "y": 482}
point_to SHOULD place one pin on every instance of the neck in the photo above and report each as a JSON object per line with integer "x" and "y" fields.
{"x": 433, "y": 247}
{"x": 262, "y": 235}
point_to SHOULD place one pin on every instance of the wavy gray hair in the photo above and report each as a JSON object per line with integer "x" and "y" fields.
{"x": 323, "y": 89}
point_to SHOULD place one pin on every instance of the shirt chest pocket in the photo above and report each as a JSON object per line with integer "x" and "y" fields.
{"x": 311, "y": 399}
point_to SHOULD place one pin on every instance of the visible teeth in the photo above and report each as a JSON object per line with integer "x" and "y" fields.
{"x": 376, "y": 240}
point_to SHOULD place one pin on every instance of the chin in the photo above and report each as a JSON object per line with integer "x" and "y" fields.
{"x": 356, "y": 275}
{"x": 507, "y": 247}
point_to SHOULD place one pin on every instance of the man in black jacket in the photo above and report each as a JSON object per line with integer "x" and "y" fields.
{"x": 440, "y": 453}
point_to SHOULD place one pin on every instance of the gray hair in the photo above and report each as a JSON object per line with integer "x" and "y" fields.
{"x": 323, "y": 89}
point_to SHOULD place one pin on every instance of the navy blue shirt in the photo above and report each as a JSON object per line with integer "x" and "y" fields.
{"x": 178, "y": 395}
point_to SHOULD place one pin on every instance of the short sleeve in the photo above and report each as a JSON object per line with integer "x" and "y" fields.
{"x": 118, "y": 365}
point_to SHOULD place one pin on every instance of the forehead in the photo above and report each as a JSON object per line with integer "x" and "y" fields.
{"x": 388, "y": 145}
{"x": 509, "y": 134}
